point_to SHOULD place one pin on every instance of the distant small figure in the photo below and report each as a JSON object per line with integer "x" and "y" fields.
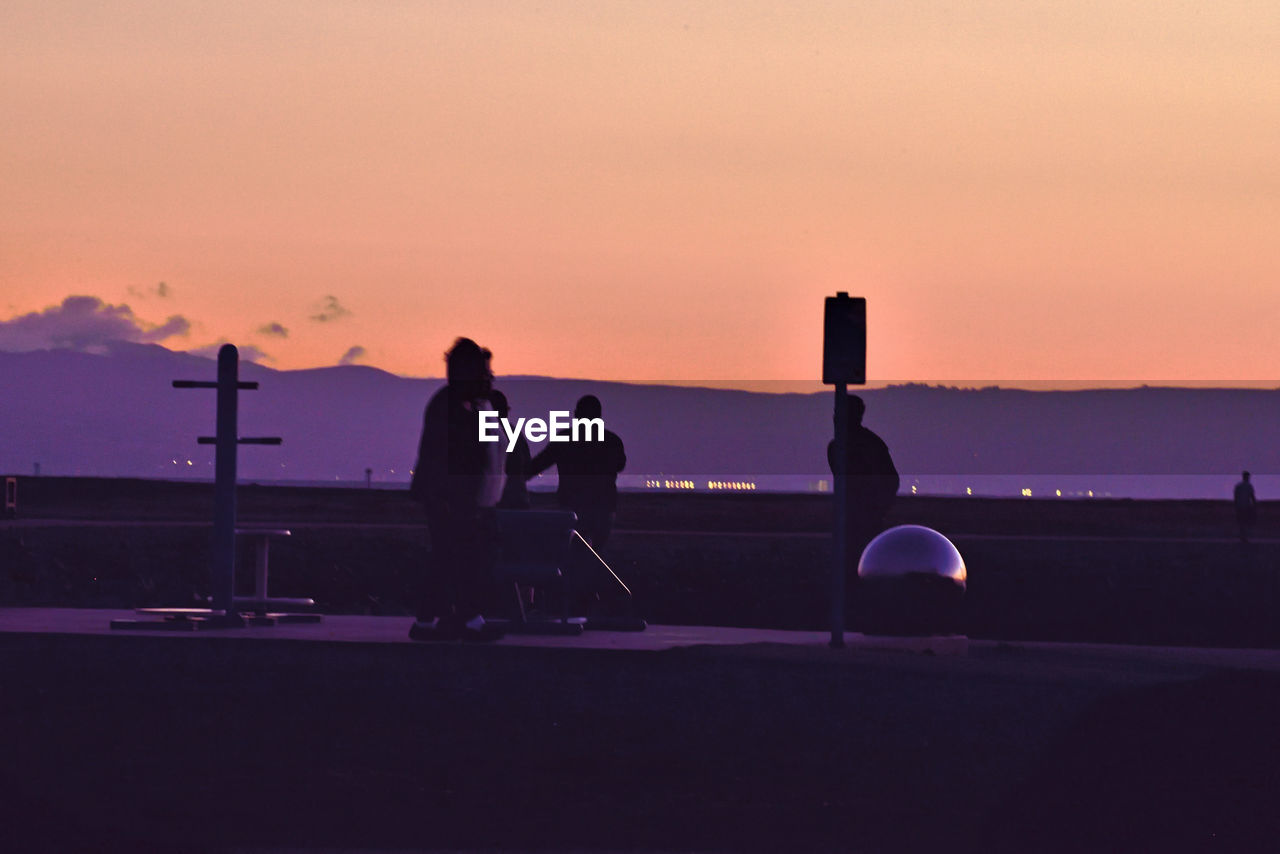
{"x": 872, "y": 483}
{"x": 457, "y": 478}
{"x": 1246, "y": 502}
{"x": 515, "y": 495}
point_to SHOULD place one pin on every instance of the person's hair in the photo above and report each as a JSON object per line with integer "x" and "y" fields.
{"x": 588, "y": 406}
{"x": 465, "y": 360}
{"x": 499, "y": 401}
{"x": 857, "y": 408}
{"x": 1245, "y": 474}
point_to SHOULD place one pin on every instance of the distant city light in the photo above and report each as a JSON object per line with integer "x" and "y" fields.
{"x": 678, "y": 484}
{"x": 1058, "y": 492}
{"x": 731, "y": 484}
{"x": 968, "y": 490}
{"x": 1026, "y": 493}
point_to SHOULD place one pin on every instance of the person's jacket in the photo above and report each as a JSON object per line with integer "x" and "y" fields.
{"x": 873, "y": 479}
{"x": 588, "y": 471}
{"x": 454, "y": 468}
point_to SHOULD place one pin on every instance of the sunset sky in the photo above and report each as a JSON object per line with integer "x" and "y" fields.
{"x": 1023, "y": 191}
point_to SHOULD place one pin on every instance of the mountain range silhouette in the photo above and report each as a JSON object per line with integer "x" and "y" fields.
{"x": 115, "y": 413}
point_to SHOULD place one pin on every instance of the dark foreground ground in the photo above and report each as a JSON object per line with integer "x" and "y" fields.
{"x": 1116, "y": 571}
{"x": 201, "y": 743}
{"x": 159, "y": 743}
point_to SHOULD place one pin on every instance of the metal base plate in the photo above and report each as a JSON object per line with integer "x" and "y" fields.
{"x": 180, "y": 620}
{"x": 197, "y": 619}
{"x": 615, "y": 624}
{"x": 563, "y": 628}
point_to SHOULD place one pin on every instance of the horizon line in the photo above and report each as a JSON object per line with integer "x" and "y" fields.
{"x": 767, "y": 386}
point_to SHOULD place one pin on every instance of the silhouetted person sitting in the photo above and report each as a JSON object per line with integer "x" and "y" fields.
{"x": 1246, "y": 502}
{"x": 457, "y": 478}
{"x": 515, "y": 495}
{"x": 588, "y": 472}
{"x": 872, "y": 484}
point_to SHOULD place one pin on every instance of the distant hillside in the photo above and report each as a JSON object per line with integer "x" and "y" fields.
{"x": 116, "y": 414}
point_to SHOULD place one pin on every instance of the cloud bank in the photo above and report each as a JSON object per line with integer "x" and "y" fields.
{"x": 84, "y": 323}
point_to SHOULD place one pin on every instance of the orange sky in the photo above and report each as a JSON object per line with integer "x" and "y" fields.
{"x": 659, "y": 191}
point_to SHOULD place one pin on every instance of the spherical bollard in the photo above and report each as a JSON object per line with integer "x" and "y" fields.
{"x": 911, "y": 581}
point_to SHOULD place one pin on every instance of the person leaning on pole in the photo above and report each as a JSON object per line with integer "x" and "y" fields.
{"x": 872, "y": 482}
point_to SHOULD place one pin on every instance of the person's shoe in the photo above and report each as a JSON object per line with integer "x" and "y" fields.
{"x": 433, "y": 630}
{"x": 477, "y": 630}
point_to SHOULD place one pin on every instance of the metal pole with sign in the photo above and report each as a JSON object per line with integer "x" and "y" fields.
{"x": 844, "y": 363}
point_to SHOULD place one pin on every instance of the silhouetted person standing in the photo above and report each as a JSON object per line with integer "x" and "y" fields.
{"x": 515, "y": 494}
{"x": 588, "y": 473}
{"x": 588, "y": 485}
{"x": 457, "y": 478}
{"x": 1246, "y": 502}
{"x": 872, "y": 483}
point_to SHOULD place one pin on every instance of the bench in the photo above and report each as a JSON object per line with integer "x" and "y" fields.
{"x": 261, "y": 605}
{"x": 543, "y": 549}
{"x": 533, "y": 551}
{"x": 258, "y": 609}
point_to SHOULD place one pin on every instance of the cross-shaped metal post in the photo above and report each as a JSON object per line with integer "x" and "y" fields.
{"x": 222, "y": 568}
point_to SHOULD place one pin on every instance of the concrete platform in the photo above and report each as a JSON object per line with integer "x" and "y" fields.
{"x": 358, "y": 629}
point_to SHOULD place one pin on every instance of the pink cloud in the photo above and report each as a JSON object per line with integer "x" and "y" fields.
{"x": 83, "y": 323}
